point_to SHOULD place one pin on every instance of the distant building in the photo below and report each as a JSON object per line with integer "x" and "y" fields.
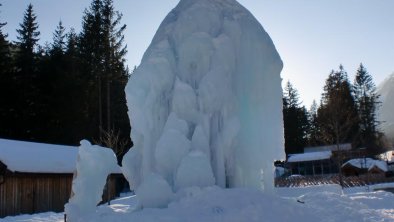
{"x": 312, "y": 163}
{"x": 359, "y": 166}
{"x": 320, "y": 160}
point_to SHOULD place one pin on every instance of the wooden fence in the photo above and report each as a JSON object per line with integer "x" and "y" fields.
{"x": 352, "y": 181}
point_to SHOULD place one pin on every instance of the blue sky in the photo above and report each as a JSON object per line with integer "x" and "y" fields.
{"x": 312, "y": 37}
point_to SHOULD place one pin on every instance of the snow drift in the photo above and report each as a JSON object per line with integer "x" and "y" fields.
{"x": 207, "y": 91}
{"x": 386, "y": 113}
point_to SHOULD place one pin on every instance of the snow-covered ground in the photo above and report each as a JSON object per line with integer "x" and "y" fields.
{"x": 310, "y": 204}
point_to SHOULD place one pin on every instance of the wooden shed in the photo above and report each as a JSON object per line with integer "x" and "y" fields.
{"x": 311, "y": 164}
{"x": 360, "y": 166}
{"x": 37, "y": 177}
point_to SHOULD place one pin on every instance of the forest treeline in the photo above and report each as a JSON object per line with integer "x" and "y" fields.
{"x": 73, "y": 88}
{"x": 347, "y": 113}
{"x": 69, "y": 89}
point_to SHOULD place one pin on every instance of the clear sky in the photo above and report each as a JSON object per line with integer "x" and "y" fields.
{"x": 312, "y": 37}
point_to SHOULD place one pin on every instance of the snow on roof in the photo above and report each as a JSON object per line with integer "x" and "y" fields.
{"x": 341, "y": 147}
{"x": 388, "y": 155}
{"x": 367, "y": 163}
{"x": 322, "y": 155}
{"x": 29, "y": 157}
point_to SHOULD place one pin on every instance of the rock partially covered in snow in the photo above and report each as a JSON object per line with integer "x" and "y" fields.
{"x": 386, "y": 113}
{"x": 94, "y": 164}
{"x": 209, "y": 82}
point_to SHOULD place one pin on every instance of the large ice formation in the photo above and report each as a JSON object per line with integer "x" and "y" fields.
{"x": 386, "y": 111}
{"x": 94, "y": 164}
{"x": 207, "y": 92}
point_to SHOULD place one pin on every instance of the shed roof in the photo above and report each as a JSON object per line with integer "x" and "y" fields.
{"x": 30, "y": 157}
{"x": 367, "y": 163}
{"x": 341, "y": 147}
{"x": 302, "y": 157}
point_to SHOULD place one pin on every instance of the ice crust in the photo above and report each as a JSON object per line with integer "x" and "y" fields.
{"x": 209, "y": 83}
{"x": 94, "y": 164}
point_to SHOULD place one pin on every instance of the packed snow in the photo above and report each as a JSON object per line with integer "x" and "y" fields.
{"x": 94, "y": 164}
{"x": 386, "y": 115}
{"x": 37, "y": 157}
{"x": 322, "y": 155}
{"x": 205, "y": 103}
{"x": 324, "y": 203}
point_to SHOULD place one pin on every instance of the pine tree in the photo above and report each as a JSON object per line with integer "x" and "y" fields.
{"x": 314, "y": 128}
{"x": 28, "y": 105}
{"x": 4, "y": 50}
{"x": 56, "y": 90}
{"x": 59, "y": 44}
{"x": 337, "y": 114}
{"x": 115, "y": 81}
{"x": 6, "y": 86}
{"x": 102, "y": 52}
{"x": 71, "y": 43}
{"x": 367, "y": 103}
{"x": 27, "y": 41}
{"x": 75, "y": 84}
{"x": 295, "y": 121}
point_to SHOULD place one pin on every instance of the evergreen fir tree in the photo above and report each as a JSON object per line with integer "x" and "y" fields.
{"x": 4, "y": 50}
{"x": 367, "y": 103}
{"x": 59, "y": 44}
{"x": 27, "y": 41}
{"x": 295, "y": 121}
{"x": 90, "y": 46}
{"x": 314, "y": 128}
{"x": 56, "y": 90}
{"x": 337, "y": 114}
{"x": 102, "y": 52}
{"x": 115, "y": 81}
{"x": 6, "y": 86}
{"x": 27, "y": 105}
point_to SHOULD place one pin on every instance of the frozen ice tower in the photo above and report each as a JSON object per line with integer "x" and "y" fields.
{"x": 206, "y": 102}
{"x": 386, "y": 113}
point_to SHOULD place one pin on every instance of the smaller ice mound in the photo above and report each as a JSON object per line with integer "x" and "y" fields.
{"x": 194, "y": 170}
{"x": 170, "y": 149}
{"x": 94, "y": 164}
{"x": 154, "y": 192}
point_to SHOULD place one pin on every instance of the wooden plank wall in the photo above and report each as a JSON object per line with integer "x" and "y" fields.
{"x": 34, "y": 193}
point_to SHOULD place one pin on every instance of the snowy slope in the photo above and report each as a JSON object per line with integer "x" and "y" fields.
{"x": 386, "y": 111}
{"x": 209, "y": 82}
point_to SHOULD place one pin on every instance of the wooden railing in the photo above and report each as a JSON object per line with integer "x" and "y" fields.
{"x": 352, "y": 181}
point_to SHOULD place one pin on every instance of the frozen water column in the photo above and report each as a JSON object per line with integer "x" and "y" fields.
{"x": 259, "y": 98}
{"x": 211, "y": 76}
